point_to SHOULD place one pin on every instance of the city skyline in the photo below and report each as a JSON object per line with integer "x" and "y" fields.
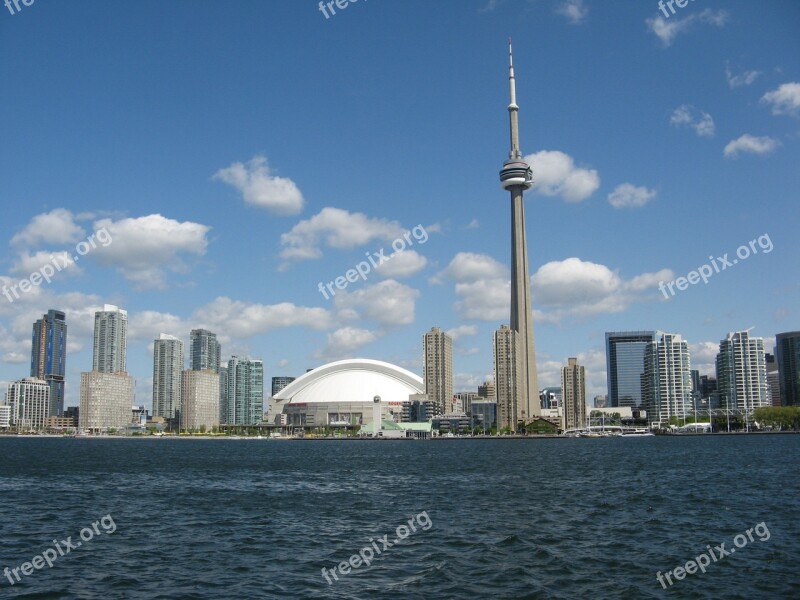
{"x": 179, "y": 231}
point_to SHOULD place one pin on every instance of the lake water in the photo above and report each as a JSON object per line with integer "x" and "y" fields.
{"x": 552, "y": 518}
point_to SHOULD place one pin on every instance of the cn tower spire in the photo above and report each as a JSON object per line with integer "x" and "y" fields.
{"x": 516, "y": 176}
{"x": 513, "y": 109}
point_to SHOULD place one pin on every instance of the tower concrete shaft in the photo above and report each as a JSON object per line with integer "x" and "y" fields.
{"x": 516, "y": 177}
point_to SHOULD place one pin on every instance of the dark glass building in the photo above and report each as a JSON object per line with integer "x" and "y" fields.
{"x": 625, "y": 365}
{"x": 280, "y": 382}
{"x": 49, "y": 356}
{"x": 788, "y": 351}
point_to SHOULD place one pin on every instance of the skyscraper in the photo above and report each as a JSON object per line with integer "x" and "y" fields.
{"x": 167, "y": 369}
{"x": 625, "y": 365}
{"x": 438, "y": 355}
{"x": 742, "y": 372}
{"x": 110, "y": 340}
{"x": 507, "y": 367}
{"x": 516, "y": 177}
{"x": 573, "y": 394}
{"x": 49, "y": 356}
{"x": 204, "y": 351}
{"x": 788, "y": 354}
{"x": 244, "y": 400}
{"x": 667, "y": 381}
{"x": 107, "y": 393}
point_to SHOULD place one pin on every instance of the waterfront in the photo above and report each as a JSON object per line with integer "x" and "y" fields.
{"x": 552, "y": 519}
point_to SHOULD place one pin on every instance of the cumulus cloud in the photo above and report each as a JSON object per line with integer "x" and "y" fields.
{"x": 703, "y": 356}
{"x": 242, "y": 320}
{"x": 482, "y": 285}
{"x": 260, "y": 187}
{"x": 555, "y": 174}
{"x": 785, "y": 100}
{"x": 627, "y": 195}
{"x": 61, "y": 262}
{"x": 143, "y": 249}
{"x": 574, "y": 10}
{"x": 742, "y": 79}
{"x": 387, "y": 303}
{"x": 668, "y": 29}
{"x": 751, "y": 144}
{"x": 458, "y": 333}
{"x": 402, "y": 264}
{"x": 343, "y": 342}
{"x": 56, "y": 227}
{"x": 146, "y": 325}
{"x": 687, "y": 115}
{"x": 335, "y": 228}
{"x": 469, "y": 266}
{"x": 578, "y": 288}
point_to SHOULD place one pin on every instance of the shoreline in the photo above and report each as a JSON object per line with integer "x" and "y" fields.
{"x": 370, "y": 439}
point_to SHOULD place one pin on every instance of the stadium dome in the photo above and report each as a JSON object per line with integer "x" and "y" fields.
{"x": 352, "y": 381}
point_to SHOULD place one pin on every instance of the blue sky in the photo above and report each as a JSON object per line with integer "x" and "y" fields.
{"x": 240, "y": 153}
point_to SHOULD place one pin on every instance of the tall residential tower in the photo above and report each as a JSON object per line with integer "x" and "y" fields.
{"x": 573, "y": 388}
{"x": 204, "y": 351}
{"x": 438, "y": 356}
{"x": 516, "y": 177}
{"x": 742, "y": 372}
{"x": 49, "y": 356}
{"x": 110, "y": 340}
{"x": 167, "y": 370}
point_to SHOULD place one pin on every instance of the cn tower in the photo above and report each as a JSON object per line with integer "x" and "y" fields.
{"x": 516, "y": 177}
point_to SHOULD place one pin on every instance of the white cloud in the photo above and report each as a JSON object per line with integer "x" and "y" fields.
{"x": 703, "y": 357}
{"x": 457, "y": 333}
{"x": 144, "y": 248}
{"x": 578, "y": 288}
{"x": 335, "y": 228}
{"x": 574, "y": 10}
{"x": 387, "y": 302}
{"x": 555, "y": 174}
{"x": 148, "y": 324}
{"x": 343, "y": 342}
{"x": 485, "y": 300}
{"x": 687, "y": 115}
{"x": 742, "y": 79}
{"x": 468, "y": 266}
{"x": 667, "y": 29}
{"x": 13, "y": 349}
{"x": 55, "y": 227}
{"x": 238, "y": 319}
{"x": 474, "y": 224}
{"x": 482, "y": 284}
{"x": 627, "y": 195}
{"x": 260, "y": 187}
{"x": 751, "y": 144}
{"x": 402, "y": 264}
{"x": 13, "y": 297}
{"x": 785, "y": 100}
{"x": 60, "y": 262}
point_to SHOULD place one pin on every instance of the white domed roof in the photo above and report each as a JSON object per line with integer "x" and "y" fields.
{"x": 352, "y": 380}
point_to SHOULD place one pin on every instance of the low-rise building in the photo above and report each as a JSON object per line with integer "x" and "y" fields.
{"x": 29, "y": 400}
